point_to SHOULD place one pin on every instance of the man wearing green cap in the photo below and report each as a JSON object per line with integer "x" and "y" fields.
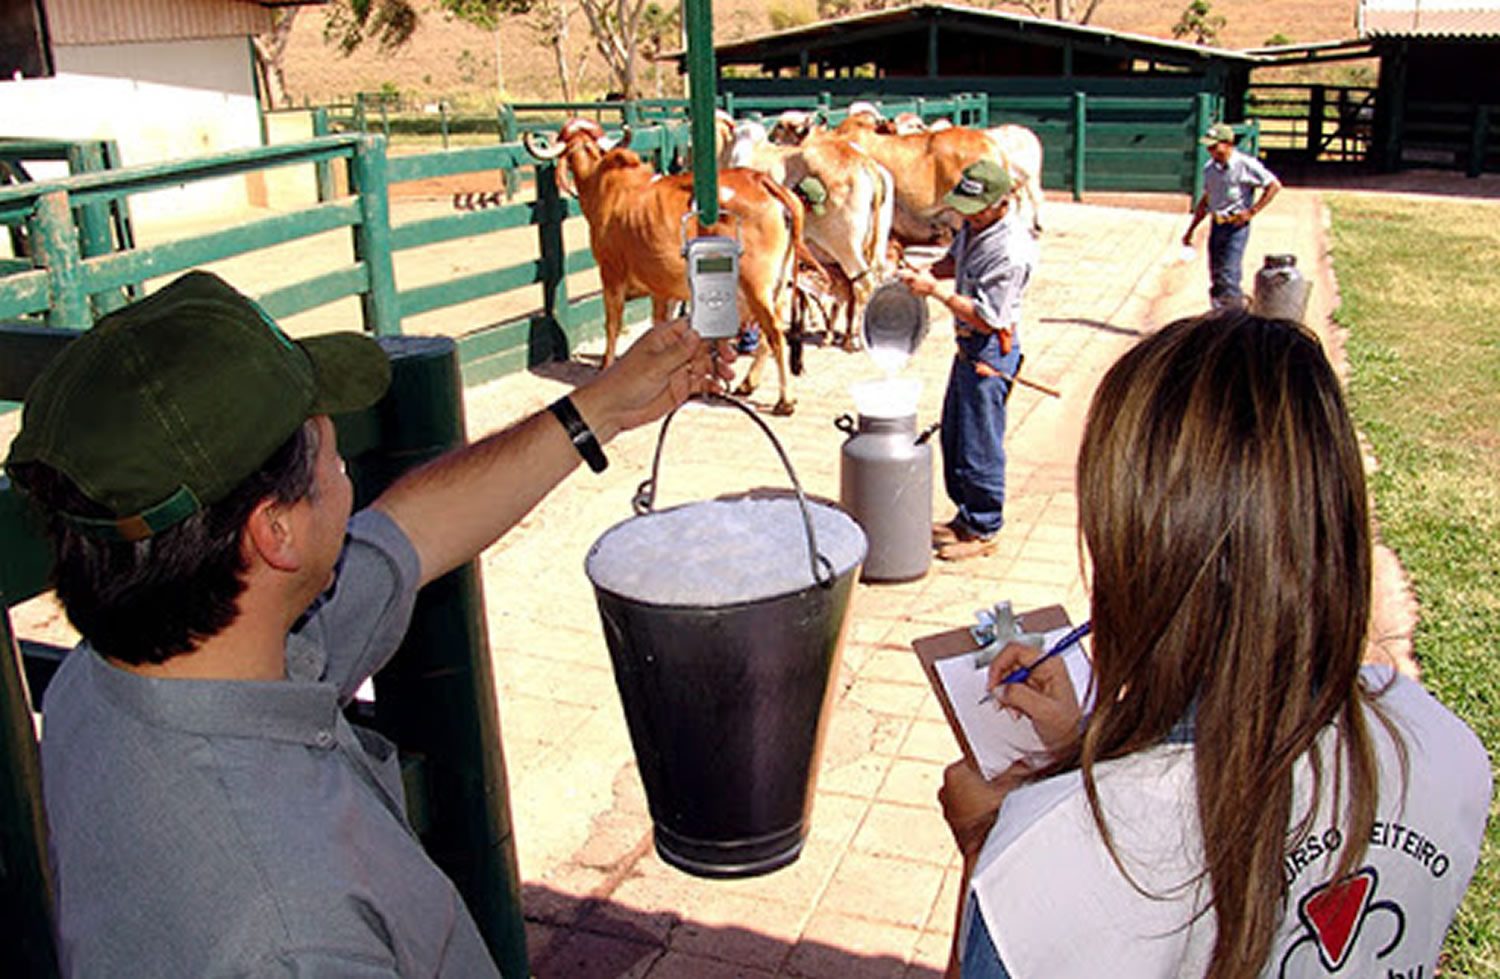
{"x": 1230, "y": 179}
{"x": 990, "y": 262}
{"x": 210, "y": 810}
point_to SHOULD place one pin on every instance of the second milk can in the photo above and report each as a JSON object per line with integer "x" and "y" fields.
{"x": 1280, "y": 290}
{"x": 885, "y": 479}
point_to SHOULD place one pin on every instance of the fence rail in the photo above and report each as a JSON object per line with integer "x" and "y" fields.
{"x": 1316, "y": 123}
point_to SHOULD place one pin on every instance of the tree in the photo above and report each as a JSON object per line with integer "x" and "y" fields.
{"x": 351, "y": 22}
{"x": 659, "y": 25}
{"x": 391, "y": 23}
{"x": 270, "y": 50}
{"x": 1199, "y": 23}
{"x": 620, "y": 29}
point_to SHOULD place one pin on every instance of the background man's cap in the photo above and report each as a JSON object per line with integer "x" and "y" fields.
{"x": 1219, "y": 132}
{"x": 984, "y": 182}
{"x": 168, "y": 404}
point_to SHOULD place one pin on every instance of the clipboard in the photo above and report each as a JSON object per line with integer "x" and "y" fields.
{"x": 956, "y": 642}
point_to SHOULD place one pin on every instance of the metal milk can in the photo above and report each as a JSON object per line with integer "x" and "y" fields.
{"x": 1280, "y": 290}
{"x": 885, "y": 483}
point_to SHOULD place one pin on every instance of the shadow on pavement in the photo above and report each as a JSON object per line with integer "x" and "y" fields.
{"x": 1099, "y": 325}
{"x": 572, "y": 937}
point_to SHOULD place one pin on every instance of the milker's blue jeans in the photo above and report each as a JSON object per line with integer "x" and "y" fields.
{"x": 1226, "y": 260}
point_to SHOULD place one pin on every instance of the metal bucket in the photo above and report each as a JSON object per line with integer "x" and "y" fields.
{"x": 725, "y": 649}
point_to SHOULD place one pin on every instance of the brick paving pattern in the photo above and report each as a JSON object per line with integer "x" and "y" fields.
{"x": 874, "y": 891}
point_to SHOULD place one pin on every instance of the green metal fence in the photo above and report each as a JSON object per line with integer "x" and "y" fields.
{"x": 63, "y": 281}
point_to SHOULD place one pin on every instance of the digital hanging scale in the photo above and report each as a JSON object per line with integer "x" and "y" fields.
{"x": 713, "y": 271}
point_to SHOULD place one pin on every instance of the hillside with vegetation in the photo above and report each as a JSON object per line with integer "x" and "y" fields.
{"x": 473, "y": 69}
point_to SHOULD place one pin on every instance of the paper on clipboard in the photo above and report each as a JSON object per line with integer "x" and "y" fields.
{"x": 995, "y": 738}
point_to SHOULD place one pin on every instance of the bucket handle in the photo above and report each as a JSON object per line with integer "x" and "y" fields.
{"x": 645, "y": 494}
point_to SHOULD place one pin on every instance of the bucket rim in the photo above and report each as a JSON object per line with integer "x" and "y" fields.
{"x": 764, "y": 493}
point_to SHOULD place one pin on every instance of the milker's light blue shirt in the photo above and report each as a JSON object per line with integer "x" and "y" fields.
{"x": 1231, "y": 186}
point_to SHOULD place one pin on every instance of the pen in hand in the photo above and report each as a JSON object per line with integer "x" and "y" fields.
{"x": 1020, "y": 674}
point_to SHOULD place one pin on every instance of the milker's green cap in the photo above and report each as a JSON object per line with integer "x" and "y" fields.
{"x": 168, "y": 404}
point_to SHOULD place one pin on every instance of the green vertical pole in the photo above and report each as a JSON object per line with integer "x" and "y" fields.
{"x": 56, "y": 241}
{"x": 24, "y": 885}
{"x": 359, "y": 111}
{"x": 1202, "y": 117}
{"x": 372, "y": 237}
{"x": 1080, "y": 142}
{"x": 1317, "y": 107}
{"x": 509, "y": 134}
{"x": 702, "y": 82}
{"x": 323, "y": 169}
{"x": 551, "y": 210}
{"x": 443, "y": 120}
{"x": 95, "y": 229}
{"x": 436, "y": 697}
{"x": 1479, "y": 139}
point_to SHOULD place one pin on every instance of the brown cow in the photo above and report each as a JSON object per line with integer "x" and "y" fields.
{"x": 636, "y": 231}
{"x": 929, "y": 164}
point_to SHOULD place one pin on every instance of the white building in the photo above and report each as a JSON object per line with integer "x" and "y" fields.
{"x": 164, "y": 79}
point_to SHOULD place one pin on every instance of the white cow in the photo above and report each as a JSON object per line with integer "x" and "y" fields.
{"x": 849, "y": 201}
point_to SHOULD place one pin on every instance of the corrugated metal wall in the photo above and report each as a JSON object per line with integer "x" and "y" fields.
{"x": 122, "y": 21}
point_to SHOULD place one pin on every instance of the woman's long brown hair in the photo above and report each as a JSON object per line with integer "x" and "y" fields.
{"x": 1222, "y": 502}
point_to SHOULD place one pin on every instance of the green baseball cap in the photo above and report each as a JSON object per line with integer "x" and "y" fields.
{"x": 1219, "y": 132}
{"x": 168, "y": 404}
{"x": 983, "y": 184}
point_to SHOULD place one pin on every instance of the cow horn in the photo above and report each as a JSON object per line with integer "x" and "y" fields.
{"x": 620, "y": 142}
{"x": 528, "y": 139}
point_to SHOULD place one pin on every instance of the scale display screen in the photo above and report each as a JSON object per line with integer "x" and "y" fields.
{"x": 715, "y": 263}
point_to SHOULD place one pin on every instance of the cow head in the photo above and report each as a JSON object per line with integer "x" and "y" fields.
{"x": 907, "y": 123}
{"x": 792, "y": 127}
{"x": 582, "y": 146}
{"x": 748, "y": 134}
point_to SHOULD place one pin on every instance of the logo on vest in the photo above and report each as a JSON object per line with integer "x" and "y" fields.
{"x": 1335, "y": 915}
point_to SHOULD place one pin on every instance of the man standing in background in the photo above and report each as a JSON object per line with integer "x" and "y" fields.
{"x": 1230, "y": 179}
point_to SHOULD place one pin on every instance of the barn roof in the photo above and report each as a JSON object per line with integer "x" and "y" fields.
{"x": 1456, "y": 19}
{"x": 858, "y": 33}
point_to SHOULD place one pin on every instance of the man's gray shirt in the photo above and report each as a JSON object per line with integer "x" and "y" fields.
{"x": 1231, "y": 186}
{"x": 216, "y": 828}
{"x": 991, "y": 267}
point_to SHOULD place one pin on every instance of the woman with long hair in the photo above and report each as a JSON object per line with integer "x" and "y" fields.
{"x": 1246, "y": 797}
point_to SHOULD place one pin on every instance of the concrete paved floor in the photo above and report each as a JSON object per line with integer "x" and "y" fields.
{"x": 874, "y": 892}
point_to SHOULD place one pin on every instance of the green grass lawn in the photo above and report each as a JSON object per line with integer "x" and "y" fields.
{"x": 1420, "y": 292}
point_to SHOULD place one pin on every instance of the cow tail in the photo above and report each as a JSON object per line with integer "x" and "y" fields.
{"x": 800, "y": 251}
